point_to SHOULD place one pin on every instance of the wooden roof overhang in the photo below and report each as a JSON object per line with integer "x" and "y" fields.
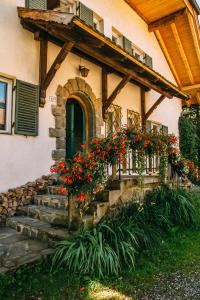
{"x": 59, "y": 28}
{"x": 175, "y": 24}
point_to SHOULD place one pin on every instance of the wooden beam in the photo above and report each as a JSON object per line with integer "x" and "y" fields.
{"x": 166, "y": 53}
{"x": 104, "y": 84}
{"x": 191, "y": 87}
{"x": 182, "y": 52}
{"x": 126, "y": 71}
{"x": 66, "y": 48}
{"x": 104, "y": 87}
{"x": 154, "y": 106}
{"x": 43, "y": 69}
{"x": 143, "y": 107}
{"x": 194, "y": 36}
{"x": 165, "y": 20}
{"x": 116, "y": 91}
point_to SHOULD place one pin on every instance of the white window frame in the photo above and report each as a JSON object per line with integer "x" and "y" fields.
{"x": 99, "y": 22}
{"x": 156, "y": 124}
{"x": 9, "y": 102}
{"x": 138, "y": 51}
{"x": 118, "y": 36}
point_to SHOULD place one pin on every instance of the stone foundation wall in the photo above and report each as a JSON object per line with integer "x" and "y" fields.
{"x": 23, "y": 195}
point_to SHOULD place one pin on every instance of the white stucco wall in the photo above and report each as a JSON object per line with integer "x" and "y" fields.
{"x": 26, "y": 158}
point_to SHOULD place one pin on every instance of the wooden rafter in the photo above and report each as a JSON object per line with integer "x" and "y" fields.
{"x": 182, "y": 51}
{"x": 166, "y": 20}
{"x": 154, "y": 106}
{"x": 66, "y": 48}
{"x": 116, "y": 91}
{"x": 194, "y": 36}
{"x": 191, "y": 87}
{"x": 166, "y": 53}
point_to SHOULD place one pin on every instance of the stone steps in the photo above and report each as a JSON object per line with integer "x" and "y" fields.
{"x": 47, "y": 214}
{"x": 54, "y": 201}
{"x": 37, "y": 229}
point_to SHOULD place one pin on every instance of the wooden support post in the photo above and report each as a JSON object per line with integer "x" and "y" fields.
{"x": 114, "y": 171}
{"x": 116, "y": 91}
{"x": 55, "y": 66}
{"x": 143, "y": 108}
{"x": 43, "y": 69}
{"x": 104, "y": 89}
{"x": 160, "y": 99}
{"x": 71, "y": 212}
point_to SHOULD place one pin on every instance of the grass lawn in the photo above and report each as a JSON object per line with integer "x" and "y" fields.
{"x": 180, "y": 252}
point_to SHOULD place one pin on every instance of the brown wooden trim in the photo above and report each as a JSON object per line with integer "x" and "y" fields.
{"x": 116, "y": 91}
{"x": 189, "y": 88}
{"x": 165, "y": 20}
{"x": 66, "y": 48}
{"x": 166, "y": 53}
{"x": 154, "y": 106}
{"x": 104, "y": 89}
{"x": 43, "y": 69}
{"x": 182, "y": 52}
{"x": 143, "y": 107}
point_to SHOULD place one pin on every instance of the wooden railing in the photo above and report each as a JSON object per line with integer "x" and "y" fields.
{"x": 129, "y": 167}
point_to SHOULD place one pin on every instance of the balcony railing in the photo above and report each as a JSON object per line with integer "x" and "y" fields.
{"x": 130, "y": 166}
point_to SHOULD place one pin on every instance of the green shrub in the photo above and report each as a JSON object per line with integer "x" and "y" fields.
{"x": 166, "y": 207}
{"x": 113, "y": 244}
{"x": 90, "y": 253}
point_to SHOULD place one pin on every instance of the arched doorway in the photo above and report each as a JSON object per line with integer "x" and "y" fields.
{"x": 76, "y": 126}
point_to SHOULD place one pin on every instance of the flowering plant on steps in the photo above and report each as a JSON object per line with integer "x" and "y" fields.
{"x": 85, "y": 174}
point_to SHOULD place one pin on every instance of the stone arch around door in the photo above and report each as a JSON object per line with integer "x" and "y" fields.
{"x": 74, "y": 88}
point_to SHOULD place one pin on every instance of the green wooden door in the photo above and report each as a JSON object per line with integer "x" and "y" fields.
{"x": 75, "y": 127}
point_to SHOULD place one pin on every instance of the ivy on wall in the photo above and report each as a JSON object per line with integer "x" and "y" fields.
{"x": 188, "y": 138}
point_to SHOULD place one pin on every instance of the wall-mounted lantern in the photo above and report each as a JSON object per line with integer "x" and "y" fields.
{"x": 84, "y": 71}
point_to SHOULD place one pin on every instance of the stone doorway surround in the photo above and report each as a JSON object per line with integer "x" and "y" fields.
{"x": 74, "y": 87}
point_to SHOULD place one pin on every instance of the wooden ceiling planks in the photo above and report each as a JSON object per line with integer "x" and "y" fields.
{"x": 152, "y": 10}
{"x": 175, "y": 24}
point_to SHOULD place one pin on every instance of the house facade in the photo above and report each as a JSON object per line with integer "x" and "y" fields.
{"x": 70, "y": 71}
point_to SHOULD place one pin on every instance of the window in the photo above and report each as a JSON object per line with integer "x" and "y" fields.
{"x": 36, "y": 4}
{"x": 133, "y": 119}
{"x": 98, "y": 23}
{"x": 117, "y": 37}
{"x": 6, "y": 85}
{"x": 138, "y": 53}
{"x": 113, "y": 118}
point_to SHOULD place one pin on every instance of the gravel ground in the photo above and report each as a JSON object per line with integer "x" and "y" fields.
{"x": 175, "y": 287}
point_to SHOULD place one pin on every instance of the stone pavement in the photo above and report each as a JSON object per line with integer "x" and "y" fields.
{"x": 17, "y": 249}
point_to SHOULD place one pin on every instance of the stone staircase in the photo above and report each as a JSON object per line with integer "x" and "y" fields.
{"x": 46, "y": 218}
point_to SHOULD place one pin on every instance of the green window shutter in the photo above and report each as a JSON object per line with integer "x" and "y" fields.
{"x": 85, "y": 14}
{"x": 36, "y": 4}
{"x": 148, "y": 60}
{"x": 164, "y": 129}
{"x": 127, "y": 45}
{"x": 148, "y": 126}
{"x": 26, "y": 108}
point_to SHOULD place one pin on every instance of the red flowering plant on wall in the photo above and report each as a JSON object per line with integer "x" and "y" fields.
{"x": 138, "y": 140}
{"x": 82, "y": 175}
{"x": 112, "y": 148}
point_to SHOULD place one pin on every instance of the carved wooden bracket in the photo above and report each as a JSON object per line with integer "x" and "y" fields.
{"x": 107, "y": 101}
{"x": 46, "y": 77}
